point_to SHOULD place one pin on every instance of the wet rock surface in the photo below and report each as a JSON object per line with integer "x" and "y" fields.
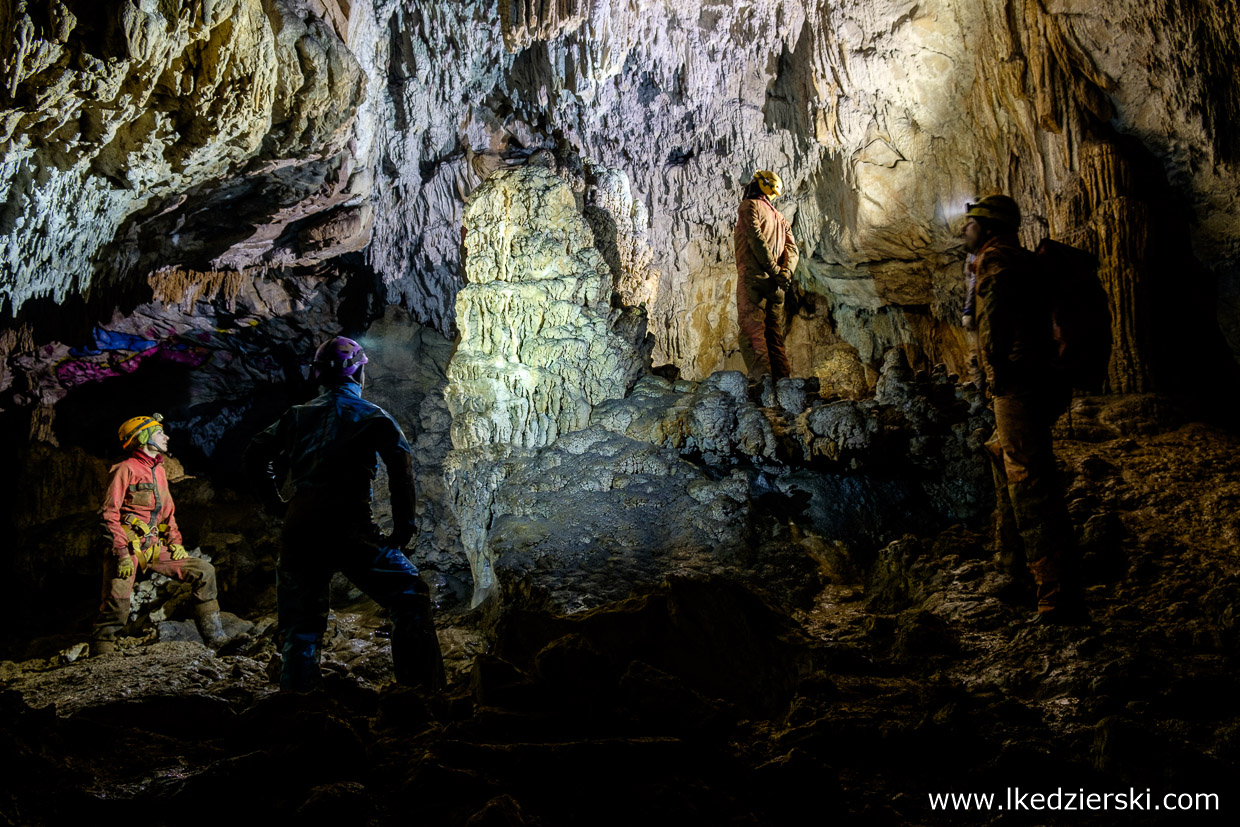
{"x": 915, "y": 672}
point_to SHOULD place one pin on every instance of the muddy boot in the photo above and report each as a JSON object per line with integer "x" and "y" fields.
{"x": 1046, "y": 576}
{"x": 416, "y": 655}
{"x": 109, "y": 626}
{"x": 207, "y": 617}
{"x": 1058, "y": 603}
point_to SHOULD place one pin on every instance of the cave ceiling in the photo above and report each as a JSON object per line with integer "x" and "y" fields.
{"x": 157, "y": 151}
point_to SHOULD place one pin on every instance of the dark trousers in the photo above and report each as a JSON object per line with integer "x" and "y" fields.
{"x": 308, "y": 560}
{"x": 760, "y": 315}
{"x": 1032, "y": 527}
{"x": 117, "y": 591}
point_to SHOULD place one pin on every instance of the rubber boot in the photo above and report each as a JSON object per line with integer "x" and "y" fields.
{"x": 1046, "y": 576}
{"x": 109, "y": 625}
{"x": 207, "y": 618}
{"x": 416, "y": 655}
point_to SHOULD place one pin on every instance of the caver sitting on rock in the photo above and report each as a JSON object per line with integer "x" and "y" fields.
{"x": 141, "y": 528}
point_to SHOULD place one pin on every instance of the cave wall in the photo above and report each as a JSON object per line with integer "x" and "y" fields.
{"x": 250, "y": 135}
{"x": 884, "y": 118}
{"x": 195, "y": 189}
{"x": 208, "y": 135}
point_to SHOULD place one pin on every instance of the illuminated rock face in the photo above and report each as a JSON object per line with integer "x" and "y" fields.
{"x": 883, "y": 117}
{"x": 699, "y": 479}
{"x": 239, "y": 134}
{"x": 536, "y": 350}
{"x": 211, "y": 134}
{"x": 538, "y": 343}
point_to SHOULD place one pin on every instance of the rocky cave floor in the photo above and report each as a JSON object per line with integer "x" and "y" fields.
{"x": 701, "y": 702}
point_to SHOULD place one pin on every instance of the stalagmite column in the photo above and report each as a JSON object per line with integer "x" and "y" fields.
{"x": 539, "y": 341}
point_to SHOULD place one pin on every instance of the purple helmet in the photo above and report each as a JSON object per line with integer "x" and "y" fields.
{"x": 339, "y": 359}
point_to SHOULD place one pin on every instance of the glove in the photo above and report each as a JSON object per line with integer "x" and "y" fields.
{"x": 967, "y": 322}
{"x": 178, "y": 551}
{"x": 783, "y": 279}
{"x": 124, "y": 568}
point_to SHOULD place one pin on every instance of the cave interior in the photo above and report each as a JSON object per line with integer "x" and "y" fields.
{"x": 663, "y": 592}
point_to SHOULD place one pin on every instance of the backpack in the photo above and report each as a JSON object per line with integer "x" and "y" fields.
{"x": 1080, "y": 314}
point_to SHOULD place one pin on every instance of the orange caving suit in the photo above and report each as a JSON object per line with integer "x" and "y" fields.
{"x": 1016, "y": 350}
{"x": 140, "y": 524}
{"x": 764, "y": 246}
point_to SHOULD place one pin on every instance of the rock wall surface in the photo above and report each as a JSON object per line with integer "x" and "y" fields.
{"x": 540, "y": 344}
{"x": 884, "y": 119}
{"x": 782, "y": 491}
{"x": 210, "y": 134}
{"x": 242, "y": 134}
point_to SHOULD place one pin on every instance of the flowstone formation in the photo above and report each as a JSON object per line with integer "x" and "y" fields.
{"x": 540, "y": 344}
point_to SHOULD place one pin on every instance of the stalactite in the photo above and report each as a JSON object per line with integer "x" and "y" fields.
{"x": 526, "y": 21}
{"x": 175, "y": 285}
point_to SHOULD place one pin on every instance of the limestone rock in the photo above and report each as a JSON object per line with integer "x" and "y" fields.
{"x": 186, "y": 132}
{"x": 540, "y": 344}
{"x": 619, "y": 222}
{"x": 698, "y": 479}
{"x": 883, "y": 120}
{"x": 536, "y": 352}
{"x": 597, "y": 515}
{"x": 242, "y": 135}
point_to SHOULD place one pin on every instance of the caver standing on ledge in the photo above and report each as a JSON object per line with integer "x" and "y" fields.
{"x": 141, "y": 527}
{"x": 1016, "y": 350}
{"x": 766, "y": 256}
{"x": 329, "y": 446}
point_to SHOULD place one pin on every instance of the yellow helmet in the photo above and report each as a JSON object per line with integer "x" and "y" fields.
{"x": 769, "y": 182}
{"x": 1000, "y": 208}
{"x": 139, "y": 430}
